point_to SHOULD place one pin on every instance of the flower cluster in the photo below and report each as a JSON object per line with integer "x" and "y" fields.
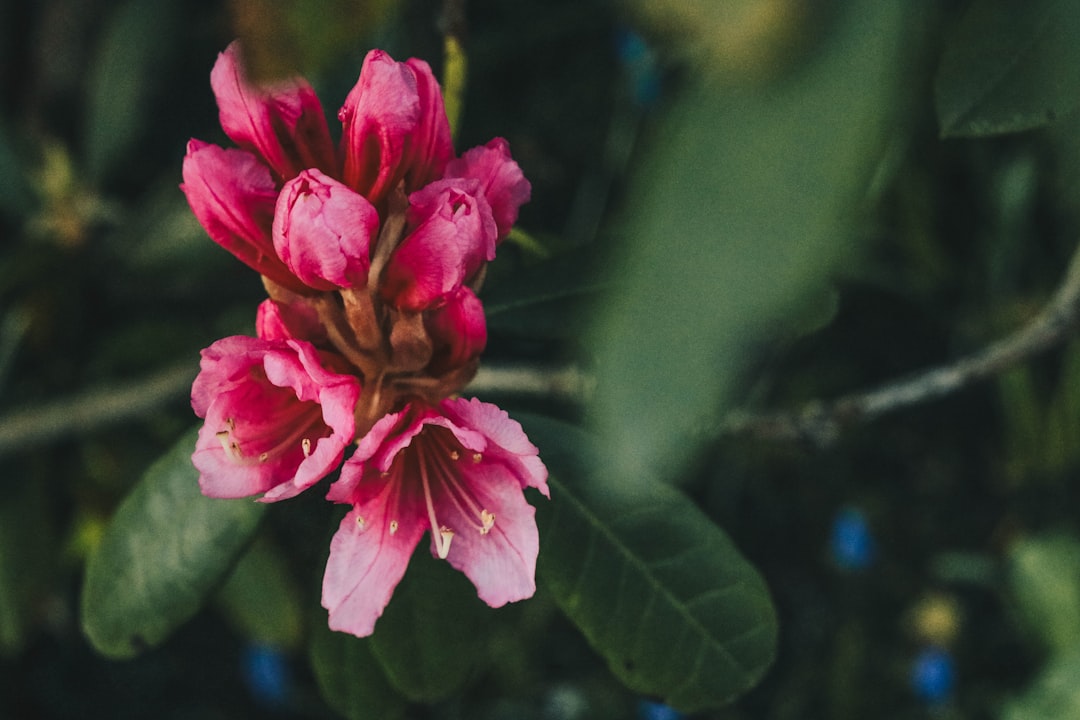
{"x": 371, "y": 252}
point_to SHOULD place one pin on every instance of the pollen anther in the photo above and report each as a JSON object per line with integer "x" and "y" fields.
{"x": 477, "y": 457}
{"x": 488, "y": 521}
{"x": 454, "y": 454}
{"x": 305, "y": 445}
{"x": 393, "y": 526}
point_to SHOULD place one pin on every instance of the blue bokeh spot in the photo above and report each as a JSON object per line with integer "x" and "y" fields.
{"x": 266, "y": 673}
{"x": 649, "y": 710}
{"x": 933, "y": 675}
{"x": 851, "y": 544}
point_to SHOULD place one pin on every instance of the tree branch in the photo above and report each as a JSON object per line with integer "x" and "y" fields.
{"x": 820, "y": 423}
{"x": 23, "y": 430}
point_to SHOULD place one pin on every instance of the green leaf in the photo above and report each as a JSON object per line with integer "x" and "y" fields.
{"x": 1054, "y": 694}
{"x": 433, "y": 635}
{"x": 656, "y": 587}
{"x": 744, "y": 207}
{"x": 546, "y": 300}
{"x": 129, "y": 68}
{"x": 261, "y": 599}
{"x": 1044, "y": 581}
{"x": 1009, "y": 66}
{"x": 166, "y": 548}
{"x": 349, "y": 676}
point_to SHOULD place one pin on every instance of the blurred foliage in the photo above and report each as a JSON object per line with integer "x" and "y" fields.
{"x": 744, "y": 202}
{"x": 1009, "y": 67}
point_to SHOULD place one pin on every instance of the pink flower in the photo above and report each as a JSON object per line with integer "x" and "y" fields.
{"x": 371, "y": 254}
{"x": 276, "y": 421}
{"x": 233, "y": 197}
{"x": 394, "y": 128}
{"x": 293, "y": 320}
{"x": 283, "y": 122}
{"x": 458, "y": 331}
{"x": 452, "y": 235}
{"x": 323, "y": 232}
{"x": 456, "y": 470}
{"x": 501, "y": 181}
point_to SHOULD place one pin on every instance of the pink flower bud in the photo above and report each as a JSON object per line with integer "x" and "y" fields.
{"x": 452, "y": 235}
{"x": 323, "y": 231}
{"x": 283, "y": 122}
{"x": 458, "y": 331}
{"x": 233, "y": 196}
{"x": 501, "y": 181}
{"x": 296, "y": 320}
{"x": 394, "y": 128}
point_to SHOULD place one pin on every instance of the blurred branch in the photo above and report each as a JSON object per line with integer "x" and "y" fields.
{"x": 567, "y": 384}
{"x": 28, "y": 429}
{"x": 821, "y": 422}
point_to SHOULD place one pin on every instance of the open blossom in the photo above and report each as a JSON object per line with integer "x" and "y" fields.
{"x": 372, "y": 254}
{"x": 277, "y": 421}
{"x": 454, "y": 471}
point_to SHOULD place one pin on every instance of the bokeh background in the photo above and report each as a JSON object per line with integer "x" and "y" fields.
{"x": 742, "y": 204}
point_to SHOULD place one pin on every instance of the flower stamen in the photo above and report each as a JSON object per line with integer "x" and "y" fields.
{"x": 462, "y": 500}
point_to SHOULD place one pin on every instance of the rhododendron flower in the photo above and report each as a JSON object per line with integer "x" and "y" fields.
{"x": 372, "y": 254}
{"x": 277, "y": 421}
{"x": 455, "y": 471}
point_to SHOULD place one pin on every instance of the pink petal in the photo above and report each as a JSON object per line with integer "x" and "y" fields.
{"x": 458, "y": 329}
{"x": 276, "y": 421}
{"x": 368, "y": 558}
{"x": 507, "y": 441}
{"x": 431, "y": 146}
{"x": 453, "y": 234}
{"x": 283, "y": 122}
{"x": 233, "y": 197}
{"x": 394, "y": 128}
{"x": 502, "y": 561}
{"x": 501, "y": 181}
{"x": 322, "y": 231}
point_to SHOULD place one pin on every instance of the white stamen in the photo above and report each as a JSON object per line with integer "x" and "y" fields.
{"x": 305, "y": 445}
{"x": 477, "y": 457}
{"x": 488, "y": 520}
{"x": 443, "y": 548}
{"x": 361, "y": 523}
{"x": 263, "y": 457}
{"x": 393, "y": 526}
{"x": 454, "y": 454}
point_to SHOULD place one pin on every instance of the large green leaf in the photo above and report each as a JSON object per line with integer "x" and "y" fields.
{"x": 261, "y": 599}
{"x": 1053, "y": 695}
{"x": 432, "y": 636}
{"x": 1009, "y": 66}
{"x": 657, "y": 588}
{"x": 1044, "y": 581}
{"x": 741, "y": 211}
{"x": 350, "y": 677}
{"x": 167, "y": 547}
